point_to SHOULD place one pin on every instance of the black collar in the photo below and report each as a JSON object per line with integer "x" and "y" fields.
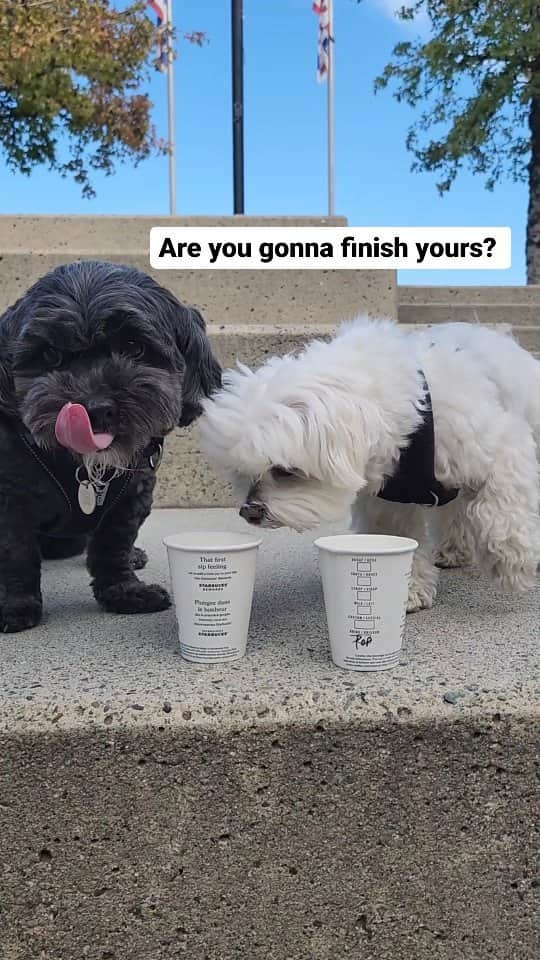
{"x": 68, "y": 477}
{"x": 413, "y": 479}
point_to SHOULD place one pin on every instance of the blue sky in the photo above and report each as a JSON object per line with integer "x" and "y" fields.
{"x": 285, "y": 135}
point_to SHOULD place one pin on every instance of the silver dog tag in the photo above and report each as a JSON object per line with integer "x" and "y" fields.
{"x": 101, "y": 493}
{"x": 87, "y": 497}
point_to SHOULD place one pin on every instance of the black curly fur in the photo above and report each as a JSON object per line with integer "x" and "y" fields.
{"x": 67, "y": 340}
{"x": 56, "y": 548}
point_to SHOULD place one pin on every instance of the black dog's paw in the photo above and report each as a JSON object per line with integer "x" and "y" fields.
{"x": 133, "y": 597}
{"x": 20, "y": 614}
{"x": 139, "y": 558}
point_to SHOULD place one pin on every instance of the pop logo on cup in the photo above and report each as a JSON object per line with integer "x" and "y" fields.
{"x": 365, "y": 584}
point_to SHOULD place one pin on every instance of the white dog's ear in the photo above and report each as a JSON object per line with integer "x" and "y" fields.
{"x": 336, "y": 442}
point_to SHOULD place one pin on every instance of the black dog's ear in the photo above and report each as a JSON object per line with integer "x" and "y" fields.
{"x": 202, "y": 373}
{"x": 8, "y": 402}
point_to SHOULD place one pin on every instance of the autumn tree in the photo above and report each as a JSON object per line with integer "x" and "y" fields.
{"x": 476, "y": 83}
{"x": 71, "y": 75}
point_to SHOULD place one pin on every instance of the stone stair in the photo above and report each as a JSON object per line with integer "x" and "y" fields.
{"x": 31, "y": 246}
{"x": 276, "y": 808}
{"x": 519, "y": 306}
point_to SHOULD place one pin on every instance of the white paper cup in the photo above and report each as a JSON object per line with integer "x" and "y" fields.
{"x": 212, "y": 576}
{"x": 365, "y": 583}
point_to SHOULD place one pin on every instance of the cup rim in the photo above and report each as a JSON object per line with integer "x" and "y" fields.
{"x": 209, "y": 541}
{"x": 370, "y": 544}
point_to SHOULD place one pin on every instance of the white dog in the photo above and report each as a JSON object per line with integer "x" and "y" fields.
{"x": 442, "y": 415}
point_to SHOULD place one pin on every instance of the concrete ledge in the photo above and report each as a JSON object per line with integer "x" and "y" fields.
{"x": 123, "y": 658}
{"x": 469, "y": 295}
{"x": 425, "y": 304}
{"x": 404, "y": 840}
{"x": 237, "y": 297}
{"x": 528, "y": 337}
{"x": 490, "y": 313}
{"x": 31, "y": 246}
{"x": 277, "y": 809}
{"x": 83, "y": 236}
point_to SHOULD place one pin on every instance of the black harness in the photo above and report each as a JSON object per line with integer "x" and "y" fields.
{"x": 413, "y": 480}
{"x": 68, "y": 478}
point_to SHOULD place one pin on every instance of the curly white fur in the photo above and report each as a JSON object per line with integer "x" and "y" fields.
{"x": 337, "y": 414}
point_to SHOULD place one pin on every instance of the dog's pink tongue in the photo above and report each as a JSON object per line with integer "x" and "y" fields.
{"x": 74, "y": 430}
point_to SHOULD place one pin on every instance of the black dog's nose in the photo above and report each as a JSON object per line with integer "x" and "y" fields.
{"x": 252, "y": 512}
{"x": 102, "y": 414}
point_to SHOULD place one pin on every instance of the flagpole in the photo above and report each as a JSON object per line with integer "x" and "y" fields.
{"x": 172, "y": 126}
{"x": 331, "y": 117}
{"x": 237, "y": 37}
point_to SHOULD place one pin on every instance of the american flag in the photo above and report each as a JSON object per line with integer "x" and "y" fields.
{"x": 323, "y": 13}
{"x": 160, "y": 9}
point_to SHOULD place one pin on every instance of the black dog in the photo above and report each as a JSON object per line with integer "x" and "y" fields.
{"x": 112, "y": 340}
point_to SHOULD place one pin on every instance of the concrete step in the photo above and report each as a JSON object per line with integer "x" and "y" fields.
{"x": 275, "y": 807}
{"x": 31, "y": 246}
{"x": 502, "y": 312}
{"x": 252, "y": 345}
{"x": 528, "y": 337}
{"x": 227, "y": 296}
{"x": 468, "y": 295}
{"x": 82, "y": 236}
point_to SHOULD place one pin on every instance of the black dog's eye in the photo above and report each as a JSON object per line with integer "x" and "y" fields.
{"x": 51, "y": 357}
{"x": 133, "y": 349}
{"x": 280, "y": 473}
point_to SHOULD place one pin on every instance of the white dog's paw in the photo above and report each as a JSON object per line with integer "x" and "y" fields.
{"x": 451, "y": 558}
{"x": 515, "y": 579}
{"x": 421, "y": 596}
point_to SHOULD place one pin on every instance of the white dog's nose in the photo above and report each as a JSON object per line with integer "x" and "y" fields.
{"x": 252, "y": 512}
